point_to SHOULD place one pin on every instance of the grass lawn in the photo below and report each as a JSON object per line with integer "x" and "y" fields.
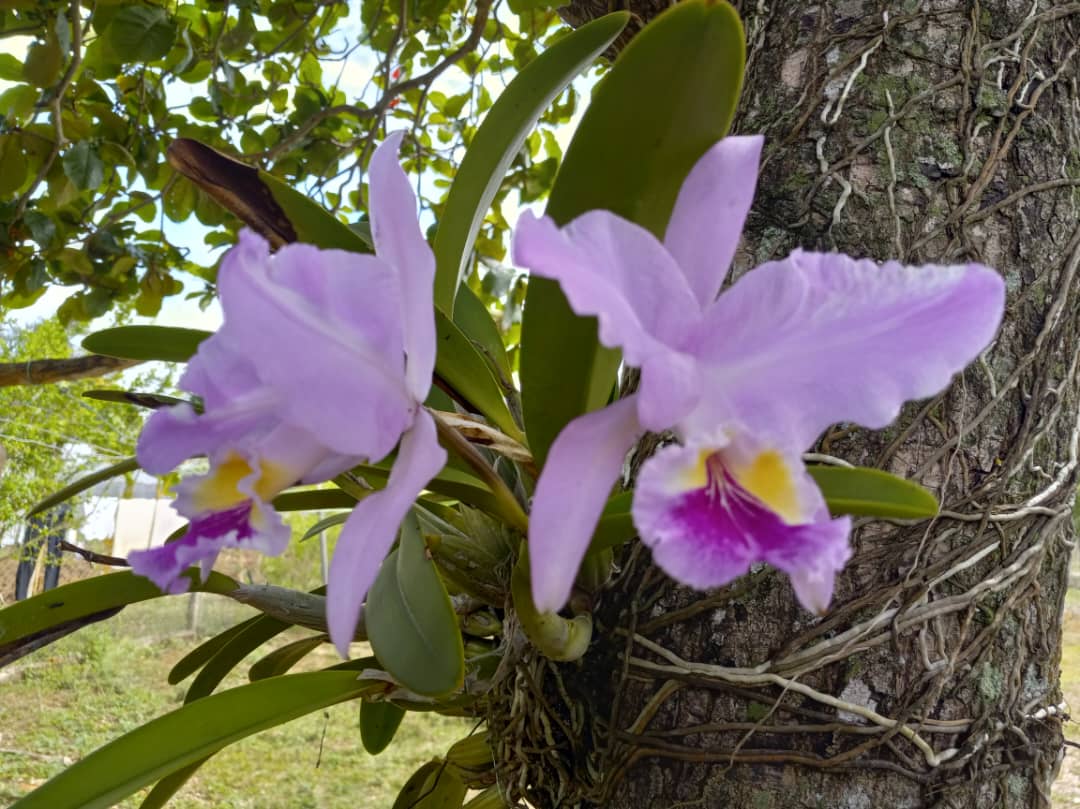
{"x": 64, "y": 701}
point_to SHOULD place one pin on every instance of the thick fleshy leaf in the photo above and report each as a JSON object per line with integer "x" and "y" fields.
{"x": 465, "y": 370}
{"x": 616, "y": 524}
{"x": 818, "y": 338}
{"x": 584, "y": 464}
{"x": 283, "y": 658}
{"x": 710, "y": 212}
{"x": 197, "y": 657}
{"x": 151, "y": 401}
{"x": 498, "y": 140}
{"x": 475, "y": 321}
{"x": 399, "y": 242}
{"x": 410, "y": 621}
{"x": 449, "y": 482}
{"x": 370, "y": 530}
{"x": 313, "y": 500}
{"x": 418, "y": 784}
{"x": 669, "y": 97}
{"x": 172, "y": 783}
{"x": 231, "y": 654}
{"x": 188, "y": 735}
{"x": 379, "y": 722}
{"x": 168, "y": 343}
{"x": 82, "y": 600}
{"x": 872, "y": 493}
{"x": 311, "y": 223}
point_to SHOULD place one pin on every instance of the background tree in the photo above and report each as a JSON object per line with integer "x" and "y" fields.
{"x": 299, "y": 89}
{"x": 53, "y": 434}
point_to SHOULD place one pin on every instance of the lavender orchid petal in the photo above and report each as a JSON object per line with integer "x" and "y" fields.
{"x": 615, "y": 270}
{"x": 305, "y": 315}
{"x": 370, "y": 530}
{"x": 620, "y": 273}
{"x": 228, "y": 508}
{"x": 251, "y": 526}
{"x": 813, "y": 561}
{"x": 582, "y": 466}
{"x": 705, "y": 225}
{"x": 799, "y": 344}
{"x": 400, "y": 242}
{"x": 172, "y": 435}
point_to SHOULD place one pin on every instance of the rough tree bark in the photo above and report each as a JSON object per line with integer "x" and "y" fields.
{"x": 937, "y": 131}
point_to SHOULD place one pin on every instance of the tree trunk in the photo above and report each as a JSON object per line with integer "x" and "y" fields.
{"x": 936, "y": 131}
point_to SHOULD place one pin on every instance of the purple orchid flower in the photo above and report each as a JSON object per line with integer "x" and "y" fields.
{"x": 746, "y": 380}
{"x": 322, "y": 362}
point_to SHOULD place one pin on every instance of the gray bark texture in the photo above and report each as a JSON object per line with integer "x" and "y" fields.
{"x": 939, "y": 131}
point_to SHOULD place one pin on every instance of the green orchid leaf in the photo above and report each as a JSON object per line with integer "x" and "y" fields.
{"x": 44, "y": 618}
{"x": 172, "y": 783}
{"x": 616, "y": 524}
{"x": 473, "y": 318}
{"x": 188, "y": 735}
{"x": 323, "y": 524}
{"x": 151, "y": 401}
{"x": 312, "y": 223}
{"x": 282, "y": 659}
{"x": 410, "y": 621}
{"x": 433, "y": 786}
{"x": 379, "y": 722}
{"x": 82, "y": 484}
{"x": 197, "y": 657}
{"x": 872, "y": 493}
{"x": 669, "y": 97}
{"x": 168, "y": 343}
{"x": 313, "y": 500}
{"x": 231, "y": 654}
{"x": 498, "y": 140}
{"x": 450, "y": 482}
{"x": 464, "y": 368}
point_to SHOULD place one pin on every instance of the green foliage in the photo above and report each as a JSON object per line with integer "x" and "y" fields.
{"x": 107, "y": 86}
{"x": 80, "y": 693}
{"x": 379, "y": 722}
{"x": 187, "y": 735}
{"x": 86, "y": 599}
{"x": 872, "y": 493}
{"x": 51, "y": 434}
{"x": 410, "y": 621}
{"x": 504, "y": 129}
{"x": 671, "y": 96}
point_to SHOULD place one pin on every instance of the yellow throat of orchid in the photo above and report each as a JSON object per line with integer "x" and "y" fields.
{"x": 220, "y": 489}
{"x": 767, "y": 477}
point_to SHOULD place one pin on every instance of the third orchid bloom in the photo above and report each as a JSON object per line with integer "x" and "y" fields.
{"x": 747, "y": 380}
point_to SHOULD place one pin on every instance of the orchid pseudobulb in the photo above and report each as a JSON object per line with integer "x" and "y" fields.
{"x": 746, "y": 380}
{"x": 323, "y": 362}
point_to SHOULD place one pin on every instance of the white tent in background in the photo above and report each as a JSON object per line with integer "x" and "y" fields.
{"x": 140, "y": 520}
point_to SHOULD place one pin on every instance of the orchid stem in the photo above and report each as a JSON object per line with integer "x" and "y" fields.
{"x": 509, "y": 507}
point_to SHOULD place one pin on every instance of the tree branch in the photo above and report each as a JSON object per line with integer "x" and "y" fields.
{"x": 44, "y": 372}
